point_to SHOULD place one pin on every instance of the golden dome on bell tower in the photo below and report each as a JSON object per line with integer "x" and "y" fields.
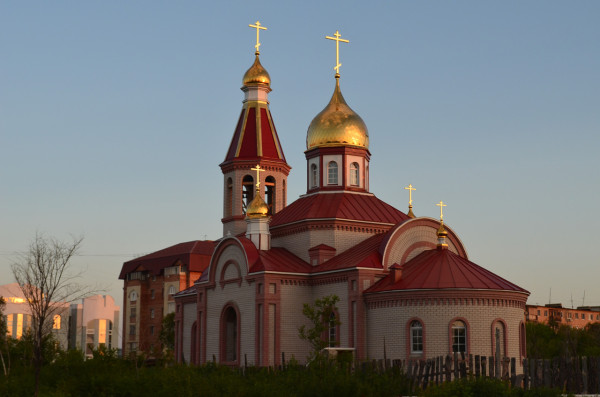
{"x": 257, "y": 74}
{"x": 337, "y": 125}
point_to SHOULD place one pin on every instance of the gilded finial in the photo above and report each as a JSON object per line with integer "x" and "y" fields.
{"x": 337, "y": 40}
{"x": 258, "y": 28}
{"x": 442, "y": 233}
{"x": 258, "y": 171}
{"x": 410, "y": 189}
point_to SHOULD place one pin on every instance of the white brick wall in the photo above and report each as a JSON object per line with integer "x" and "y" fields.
{"x": 241, "y": 296}
{"x": 189, "y": 316}
{"x": 300, "y": 243}
{"x": 391, "y": 323}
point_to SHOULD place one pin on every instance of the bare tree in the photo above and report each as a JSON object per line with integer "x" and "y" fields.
{"x": 44, "y": 274}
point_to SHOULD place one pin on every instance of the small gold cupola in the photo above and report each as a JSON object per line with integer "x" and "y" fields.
{"x": 441, "y": 232}
{"x": 257, "y": 218}
{"x": 257, "y": 207}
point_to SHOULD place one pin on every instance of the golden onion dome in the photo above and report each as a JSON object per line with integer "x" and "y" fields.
{"x": 337, "y": 125}
{"x": 257, "y": 74}
{"x": 441, "y": 232}
{"x": 257, "y": 207}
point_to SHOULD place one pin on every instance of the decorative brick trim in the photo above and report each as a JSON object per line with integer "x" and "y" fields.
{"x": 446, "y": 297}
{"x": 237, "y": 280}
{"x": 399, "y": 230}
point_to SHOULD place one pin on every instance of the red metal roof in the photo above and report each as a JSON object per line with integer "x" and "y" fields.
{"x": 193, "y": 254}
{"x": 246, "y": 145}
{"x": 339, "y": 205}
{"x": 365, "y": 254}
{"x": 443, "y": 269}
{"x": 280, "y": 260}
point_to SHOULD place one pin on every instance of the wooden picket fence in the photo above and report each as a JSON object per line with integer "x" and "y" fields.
{"x": 579, "y": 375}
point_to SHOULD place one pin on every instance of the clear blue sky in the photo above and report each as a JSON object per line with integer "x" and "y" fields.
{"x": 115, "y": 115}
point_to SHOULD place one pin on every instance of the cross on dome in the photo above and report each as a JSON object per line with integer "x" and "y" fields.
{"x": 258, "y": 28}
{"x": 258, "y": 171}
{"x": 441, "y": 205}
{"x": 410, "y": 189}
{"x": 337, "y": 40}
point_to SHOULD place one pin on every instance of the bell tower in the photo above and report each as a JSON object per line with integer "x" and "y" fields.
{"x": 255, "y": 142}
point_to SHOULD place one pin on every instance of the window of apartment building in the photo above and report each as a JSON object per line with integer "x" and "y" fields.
{"x": 133, "y": 296}
{"x": 133, "y": 346}
{"x": 132, "y": 312}
{"x": 546, "y": 313}
{"x": 539, "y": 312}
{"x": 576, "y": 315}
{"x": 151, "y": 313}
{"x": 132, "y": 329}
{"x": 171, "y": 290}
{"x": 583, "y": 316}
{"x": 152, "y": 330}
{"x": 172, "y": 270}
{"x": 151, "y": 294}
{"x": 56, "y": 324}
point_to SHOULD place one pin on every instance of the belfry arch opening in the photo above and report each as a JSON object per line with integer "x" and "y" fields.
{"x": 229, "y": 197}
{"x": 247, "y": 191}
{"x": 270, "y": 194}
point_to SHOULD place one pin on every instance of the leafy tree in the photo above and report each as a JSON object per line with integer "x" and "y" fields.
{"x": 44, "y": 275}
{"x": 321, "y": 316}
{"x": 167, "y": 332}
{"x": 3, "y": 339}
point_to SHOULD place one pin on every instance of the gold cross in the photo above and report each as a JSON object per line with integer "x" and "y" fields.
{"x": 337, "y": 49}
{"x": 258, "y": 171}
{"x": 410, "y": 189}
{"x": 441, "y": 205}
{"x": 258, "y": 27}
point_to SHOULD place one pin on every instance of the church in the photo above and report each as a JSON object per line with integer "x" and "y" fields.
{"x": 406, "y": 287}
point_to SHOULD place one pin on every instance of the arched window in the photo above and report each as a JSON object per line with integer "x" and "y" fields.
{"x": 193, "y": 344}
{"x": 247, "y": 191}
{"x": 332, "y": 330}
{"x": 229, "y": 335}
{"x": 314, "y": 176}
{"x": 416, "y": 337}
{"x": 270, "y": 194}
{"x": 522, "y": 345}
{"x": 459, "y": 337}
{"x": 229, "y": 198}
{"x": 332, "y": 173}
{"x": 354, "y": 174}
{"x": 499, "y": 338}
{"x": 133, "y": 296}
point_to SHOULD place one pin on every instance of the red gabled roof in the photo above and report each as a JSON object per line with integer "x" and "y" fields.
{"x": 443, "y": 269}
{"x": 340, "y": 205}
{"x": 280, "y": 260}
{"x": 365, "y": 254}
{"x": 193, "y": 254}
